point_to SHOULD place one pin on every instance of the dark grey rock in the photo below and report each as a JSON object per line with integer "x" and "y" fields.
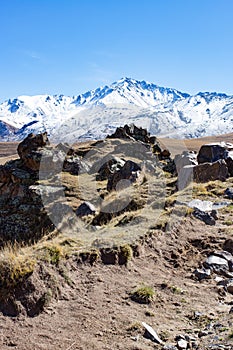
{"x": 229, "y": 193}
{"x": 85, "y": 209}
{"x": 210, "y": 153}
{"x": 130, "y": 171}
{"x": 203, "y": 334}
{"x": 228, "y": 245}
{"x": 202, "y": 274}
{"x": 203, "y": 216}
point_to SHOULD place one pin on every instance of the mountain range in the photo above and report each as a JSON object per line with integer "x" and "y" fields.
{"x": 163, "y": 111}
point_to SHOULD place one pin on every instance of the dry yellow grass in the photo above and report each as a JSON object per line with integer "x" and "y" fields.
{"x": 16, "y": 263}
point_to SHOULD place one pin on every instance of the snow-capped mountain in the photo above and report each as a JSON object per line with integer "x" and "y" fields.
{"x": 94, "y": 114}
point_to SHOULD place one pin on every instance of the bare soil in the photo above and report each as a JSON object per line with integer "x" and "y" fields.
{"x": 97, "y": 312}
{"x": 94, "y": 309}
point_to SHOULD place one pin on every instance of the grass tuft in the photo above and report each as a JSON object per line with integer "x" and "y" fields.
{"x": 16, "y": 264}
{"x": 143, "y": 294}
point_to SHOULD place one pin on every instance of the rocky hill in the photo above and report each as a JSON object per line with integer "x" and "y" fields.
{"x": 102, "y": 240}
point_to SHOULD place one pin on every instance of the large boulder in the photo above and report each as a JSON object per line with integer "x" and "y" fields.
{"x": 210, "y": 171}
{"x": 202, "y": 173}
{"x": 212, "y": 152}
{"x": 28, "y": 150}
{"x": 186, "y": 158}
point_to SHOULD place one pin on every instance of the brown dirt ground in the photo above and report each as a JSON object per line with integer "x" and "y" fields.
{"x": 96, "y": 312}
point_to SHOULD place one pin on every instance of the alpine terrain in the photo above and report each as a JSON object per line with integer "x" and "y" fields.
{"x": 163, "y": 111}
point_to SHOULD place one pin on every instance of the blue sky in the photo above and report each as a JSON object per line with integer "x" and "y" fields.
{"x": 71, "y": 46}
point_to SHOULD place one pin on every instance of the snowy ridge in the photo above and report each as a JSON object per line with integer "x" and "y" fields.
{"x": 94, "y": 114}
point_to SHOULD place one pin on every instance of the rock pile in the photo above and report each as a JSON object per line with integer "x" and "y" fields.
{"x": 219, "y": 263}
{"x": 132, "y": 132}
{"x": 22, "y": 213}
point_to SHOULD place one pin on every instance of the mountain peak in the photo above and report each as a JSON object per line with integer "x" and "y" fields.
{"x": 163, "y": 111}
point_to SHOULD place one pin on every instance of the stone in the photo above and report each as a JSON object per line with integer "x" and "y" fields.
{"x": 109, "y": 167}
{"x": 109, "y": 256}
{"x": 152, "y": 333}
{"x": 65, "y": 147}
{"x": 203, "y": 334}
{"x": 72, "y": 165}
{"x": 164, "y": 154}
{"x": 229, "y": 161}
{"x": 202, "y": 274}
{"x": 131, "y": 132}
{"x": 169, "y": 347}
{"x": 211, "y": 153}
{"x": 128, "y": 174}
{"x": 229, "y": 286}
{"x": 229, "y": 193}
{"x": 85, "y": 209}
{"x": 29, "y": 145}
{"x": 228, "y": 245}
{"x": 182, "y": 344}
{"x": 224, "y": 255}
{"x": 186, "y": 158}
{"x": 203, "y": 216}
{"x": 210, "y": 171}
{"x": 185, "y": 176}
{"x": 217, "y": 264}
{"x": 201, "y": 205}
{"x": 202, "y": 173}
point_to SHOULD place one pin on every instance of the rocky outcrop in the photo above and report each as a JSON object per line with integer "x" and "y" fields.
{"x": 213, "y": 162}
{"x": 23, "y": 216}
{"x": 132, "y": 132}
{"x": 29, "y": 150}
